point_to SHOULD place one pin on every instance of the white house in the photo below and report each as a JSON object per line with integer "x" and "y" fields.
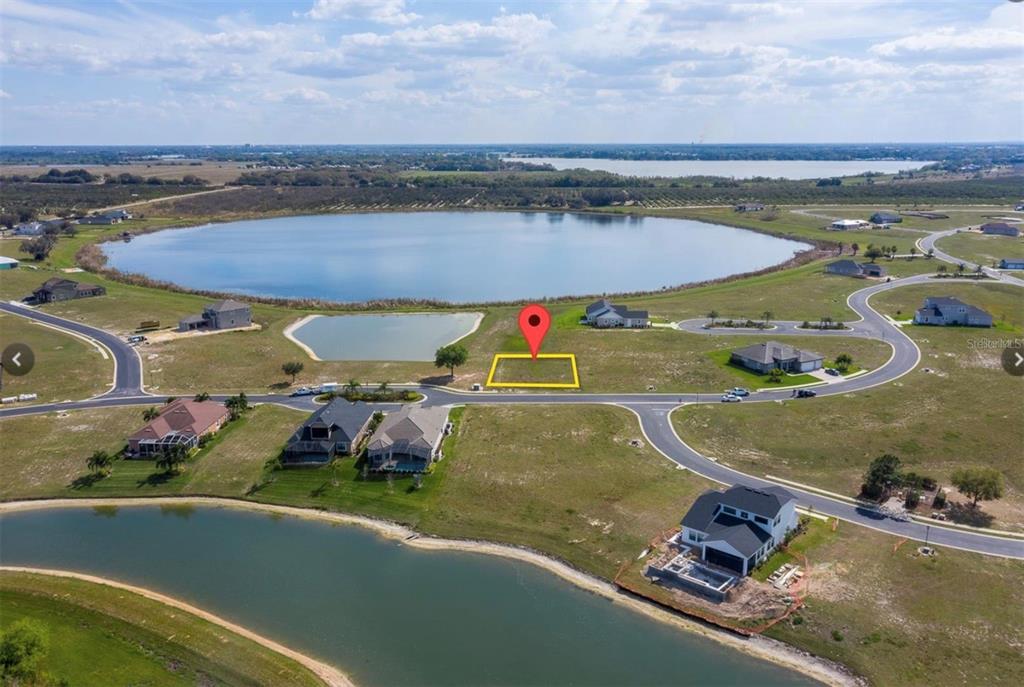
{"x": 848, "y": 224}
{"x": 603, "y": 315}
{"x": 740, "y": 527}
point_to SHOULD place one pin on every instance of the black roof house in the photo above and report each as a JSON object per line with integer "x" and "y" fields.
{"x": 333, "y": 428}
{"x": 706, "y": 515}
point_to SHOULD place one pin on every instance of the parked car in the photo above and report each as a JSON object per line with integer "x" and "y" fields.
{"x": 738, "y": 391}
{"x": 303, "y": 391}
{"x": 731, "y": 398}
{"x": 806, "y": 393}
{"x": 136, "y": 338}
{"x": 832, "y": 371}
{"x": 476, "y": 387}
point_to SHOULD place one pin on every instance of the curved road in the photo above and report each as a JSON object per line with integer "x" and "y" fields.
{"x": 652, "y": 409}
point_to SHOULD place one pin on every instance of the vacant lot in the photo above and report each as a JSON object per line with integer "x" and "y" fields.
{"x": 957, "y": 408}
{"x": 104, "y": 636}
{"x": 899, "y": 618}
{"x": 982, "y": 249}
{"x": 66, "y": 367}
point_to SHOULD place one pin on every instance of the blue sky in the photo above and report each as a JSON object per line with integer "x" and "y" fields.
{"x": 413, "y": 71}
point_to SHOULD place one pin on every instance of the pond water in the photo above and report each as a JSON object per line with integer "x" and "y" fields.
{"x": 739, "y": 169}
{"x": 385, "y": 613}
{"x": 459, "y": 257}
{"x": 413, "y": 337}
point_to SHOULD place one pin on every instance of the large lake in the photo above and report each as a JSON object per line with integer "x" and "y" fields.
{"x": 385, "y": 613}
{"x": 739, "y": 169}
{"x": 458, "y": 257}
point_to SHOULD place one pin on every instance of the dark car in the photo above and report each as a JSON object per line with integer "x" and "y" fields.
{"x": 806, "y": 393}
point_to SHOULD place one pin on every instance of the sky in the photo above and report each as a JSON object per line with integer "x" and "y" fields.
{"x": 123, "y": 72}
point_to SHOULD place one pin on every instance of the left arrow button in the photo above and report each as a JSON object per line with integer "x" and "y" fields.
{"x": 17, "y": 359}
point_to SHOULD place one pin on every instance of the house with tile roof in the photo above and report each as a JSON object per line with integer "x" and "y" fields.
{"x": 740, "y": 527}
{"x": 180, "y": 422}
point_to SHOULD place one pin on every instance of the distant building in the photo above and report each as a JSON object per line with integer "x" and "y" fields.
{"x": 749, "y": 207}
{"x": 999, "y": 229}
{"x": 108, "y": 217}
{"x": 847, "y": 224}
{"x": 59, "y": 289}
{"x": 8, "y": 263}
{"x": 851, "y": 268}
{"x": 335, "y": 428}
{"x": 225, "y": 314}
{"x": 408, "y": 440}
{"x": 946, "y": 310}
{"x": 884, "y": 217}
{"x": 740, "y": 527}
{"x": 1011, "y": 264}
{"x": 180, "y": 422}
{"x": 604, "y": 315}
{"x": 771, "y": 355}
{"x": 36, "y": 228}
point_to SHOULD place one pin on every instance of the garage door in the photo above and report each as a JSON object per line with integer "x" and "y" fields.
{"x": 726, "y": 560}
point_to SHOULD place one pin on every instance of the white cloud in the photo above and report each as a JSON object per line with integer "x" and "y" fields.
{"x": 4, "y": 95}
{"x": 380, "y": 11}
{"x": 303, "y": 93}
{"x": 954, "y": 44}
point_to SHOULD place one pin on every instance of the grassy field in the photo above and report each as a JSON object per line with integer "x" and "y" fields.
{"x": 65, "y": 367}
{"x": 215, "y": 172}
{"x": 102, "y": 636}
{"x": 982, "y": 249}
{"x": 45, "y": 455}
{"x": 906, "y": 619}
{"x": 965, "y": 411}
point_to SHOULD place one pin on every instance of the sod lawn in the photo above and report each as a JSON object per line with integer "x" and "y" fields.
{"x": 981, "y": 249}
{"x": 99, "y": 635}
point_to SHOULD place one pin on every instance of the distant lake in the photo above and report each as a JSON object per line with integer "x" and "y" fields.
{"x": 414, "y": 337}
{"x": 458, "y": 257}
{"x": 385, "y": 613}
{"x": 740, "y": 169}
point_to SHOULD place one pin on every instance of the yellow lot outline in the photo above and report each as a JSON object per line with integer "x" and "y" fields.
{"x": 571, "y": 357}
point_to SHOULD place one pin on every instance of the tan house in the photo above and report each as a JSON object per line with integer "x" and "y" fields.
{"x": 181, "y": 421}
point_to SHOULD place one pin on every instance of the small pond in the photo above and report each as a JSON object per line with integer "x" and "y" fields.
{"x": 412, "y": 337}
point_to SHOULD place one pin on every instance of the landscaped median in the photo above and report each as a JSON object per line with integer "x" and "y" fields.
{"x": 88, "y": 631}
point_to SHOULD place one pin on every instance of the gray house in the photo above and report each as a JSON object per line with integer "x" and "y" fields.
{"x": 333, "y": 429}
{"x": 1011, "y": 264}
{"x": 886, "y": 217}
{"x": 408, "y": 440}
{"x": 946, "y": 310}
{"x": 226, "y": 314}
{"x": 765, "y": 357}
{"x": 58, "y": 289}
{"x": 850, "y": 268}
{"x": 740, "y": 527}
{"x": 749, "y": 207}
{"x": 604, "y": 315}
{"x": 999, "y": 229}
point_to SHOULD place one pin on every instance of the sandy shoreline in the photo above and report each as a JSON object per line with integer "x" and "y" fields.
{"x": 329, "y": 674}
{"x": 760, "y": 647}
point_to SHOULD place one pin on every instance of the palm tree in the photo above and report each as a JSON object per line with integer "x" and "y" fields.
{"x": 172, "y": 457}
{"x": 150, "y": 413}
{"x": 202, "y": 396}
{"x": 913, "y": 252}
{"x": 352, "y": 387}
{"x": 713, "y": 315}
{"x": 383, "y": 388}
{"x": 99, "y": 462}
{"x": 767, "y": 314}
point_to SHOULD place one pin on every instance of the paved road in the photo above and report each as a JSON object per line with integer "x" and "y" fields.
{"x": 127, "y": 364}
{"x": 927, "y": 243}
{"x": 652, "y": 409}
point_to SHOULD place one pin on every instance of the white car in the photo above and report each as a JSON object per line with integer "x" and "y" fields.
{"x": 731, "y": 398}
{"x": 738, "y": 391}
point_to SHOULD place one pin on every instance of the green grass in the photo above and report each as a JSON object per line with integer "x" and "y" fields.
{"x": 65, "y": 367}
{"x": 982, "y": 249}
{"x": 101, "y": 636}
{"x": 907, "y": 619}
{"x": 967, "y": 411}
{"x": 753, "y": 380}
{"x": 539, "y": 371}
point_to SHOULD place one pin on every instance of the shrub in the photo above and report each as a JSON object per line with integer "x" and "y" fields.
{"x": 939, "y": 502}
{"x": 837, "y": 635}
{"x": 913, "y": 498}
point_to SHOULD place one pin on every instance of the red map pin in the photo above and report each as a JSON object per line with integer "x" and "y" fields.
{"x": 534, "y": 321}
